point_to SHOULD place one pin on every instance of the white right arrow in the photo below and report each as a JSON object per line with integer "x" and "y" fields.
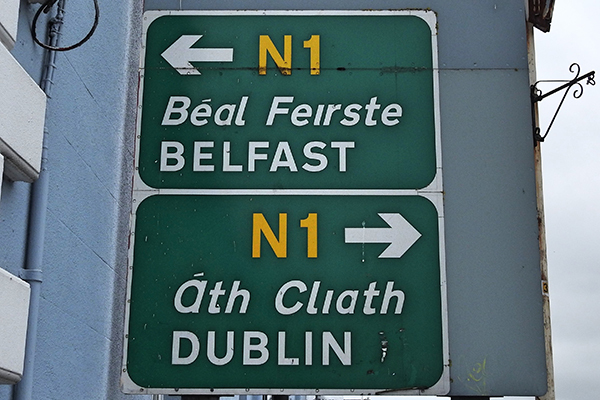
{"x": 401, "y": 235}
{"x": 181, "y": 54}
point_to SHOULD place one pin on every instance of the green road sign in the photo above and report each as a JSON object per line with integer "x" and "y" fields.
{"x": 287, "y": 232}
{"x": 353, "y": 110}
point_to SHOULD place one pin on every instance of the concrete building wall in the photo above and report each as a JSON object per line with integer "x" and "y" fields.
{"x": 90, "y": 156}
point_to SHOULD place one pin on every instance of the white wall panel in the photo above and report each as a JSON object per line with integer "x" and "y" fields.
{"x": 14, "y": 309}
{"x": 9, "y": 15}
{"x": 23, "y": 106}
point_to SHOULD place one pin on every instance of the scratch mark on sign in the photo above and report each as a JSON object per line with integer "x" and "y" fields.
{"x": 384, "y": 345}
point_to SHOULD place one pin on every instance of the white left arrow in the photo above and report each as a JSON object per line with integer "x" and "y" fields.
{"x": 181, "y": 54}
{"x": 401, "y": 235}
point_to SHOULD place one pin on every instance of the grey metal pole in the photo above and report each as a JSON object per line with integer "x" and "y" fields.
{"x": 32, "y": 272}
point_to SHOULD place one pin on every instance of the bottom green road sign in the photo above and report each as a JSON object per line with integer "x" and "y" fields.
{"x": 286, "y": 294}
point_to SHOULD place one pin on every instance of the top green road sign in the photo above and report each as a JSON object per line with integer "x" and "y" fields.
{"x": 262, "y": 101}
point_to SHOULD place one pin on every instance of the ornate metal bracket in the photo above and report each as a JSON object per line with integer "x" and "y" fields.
{"x": 537, "y": 95}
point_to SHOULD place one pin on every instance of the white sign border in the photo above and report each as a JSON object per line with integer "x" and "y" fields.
{"x": 433, "y": 192}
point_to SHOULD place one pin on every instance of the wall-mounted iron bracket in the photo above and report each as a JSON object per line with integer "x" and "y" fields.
{"x": 537, "y": 95}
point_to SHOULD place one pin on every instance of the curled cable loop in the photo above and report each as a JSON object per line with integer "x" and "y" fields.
{"x": 46, "y": 8}
{"x": 48, "y": 5}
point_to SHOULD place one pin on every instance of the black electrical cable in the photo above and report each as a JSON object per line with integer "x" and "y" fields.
{"x": 46, "y": 8}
